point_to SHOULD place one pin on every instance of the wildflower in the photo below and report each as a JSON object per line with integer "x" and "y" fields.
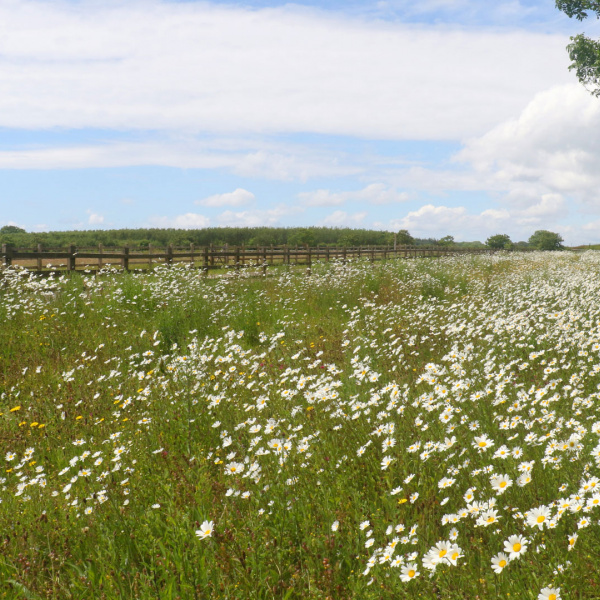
{"x": 537, "y": 517}
{"x": 206, "y": 530}
{"x": 482, "y": 442}
{"x": 515, "y": 546}
{"x": 408, "y": 572}
{"x": 335, "y": 526}
{"x": 572, "y": 540}
{"x": 500, "y": 483}
{"x": 499, "y": 562}
{"x": 549, "y": 593}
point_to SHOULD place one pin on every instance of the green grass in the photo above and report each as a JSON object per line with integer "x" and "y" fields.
{"x": 166, "y": 372}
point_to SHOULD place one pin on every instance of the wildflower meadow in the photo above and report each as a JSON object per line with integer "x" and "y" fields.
{"x": 416, "y": 429}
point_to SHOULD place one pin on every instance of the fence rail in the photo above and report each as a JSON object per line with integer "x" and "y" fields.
{"x": 210, "y": 257}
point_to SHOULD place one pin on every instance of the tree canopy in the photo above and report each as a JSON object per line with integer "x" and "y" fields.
{"x": 546, "y": 240}
{"x": 499, "y": 241}
{"x": 584, "y": 51}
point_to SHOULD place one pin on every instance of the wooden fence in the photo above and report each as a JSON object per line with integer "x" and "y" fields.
{"x": 209, "y": 257}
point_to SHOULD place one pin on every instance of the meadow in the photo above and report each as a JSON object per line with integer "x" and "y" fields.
{"x": 418, "y": 429}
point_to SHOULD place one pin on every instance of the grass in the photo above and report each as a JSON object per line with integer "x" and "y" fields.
{"x": 137, "y": 407}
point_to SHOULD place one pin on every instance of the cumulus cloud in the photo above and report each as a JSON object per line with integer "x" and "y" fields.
{"x": 376, "y": 193}
{"x": 95, "y": 218}
{"x": 341, "y": 218}
{"x": 186, "y": 221}
{"x": 552, "y": 148}
{"x": 257, "y": 218}
{"x": 239, "y": 197}
{"x": 199, "y": 67}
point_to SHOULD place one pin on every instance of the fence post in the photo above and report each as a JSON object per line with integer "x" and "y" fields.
{"x": 344, "y": 254}
{"x": 7, "y": 251}
{"x": 71, "y": 258}
{"x": 205, "y": 260}
{"x": 372, "y": 254}
{"x": 264, "y": 257}
{"x": 192, "y": 253}
{"x": 150, "y": 261}
{"x": 126, "y": 258}
{"x": 212, "y": 255}
{"x": 287, "y": 254}
{"x": 309, "y": 259}
{"x": 100, "y": 250}
{"x": 170, "y": 254}
{"x": 237, "y": 257}
{"x": 39, "y": 258}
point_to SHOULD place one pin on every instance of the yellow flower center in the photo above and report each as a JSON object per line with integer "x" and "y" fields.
{"x": 502, "y": 563}
{"x": 490, "y": 519}
{"x": 502, "y": 484}
{"x": 482, "y": 444}
{"x": 516, "y": 547}
{"x": 552, "y": 597}
{"x": 541, "y": 519}
{"x": 443, "y": 553}
{"x": 411, "y": 573}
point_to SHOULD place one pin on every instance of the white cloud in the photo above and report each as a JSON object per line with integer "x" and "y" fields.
{"x": 239, "y": 197}
{"x": 95, "y": 218}
{"x": 257, "y": 218}
{"x": 198, "y": 67}
{"x": 375, "y": 193}
{"x": 186, "y": 221}
{"x": 247, "y": 158}
{"x": 341, "y": 218}
{"x": 552, "y": 148}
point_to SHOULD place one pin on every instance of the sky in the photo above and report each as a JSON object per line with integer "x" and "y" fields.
{"x": 443, "y": 117}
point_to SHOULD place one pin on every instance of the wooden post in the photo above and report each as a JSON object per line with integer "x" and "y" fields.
{"x": 212, "y": 255}
{"x": 237, "y": 257}
{"x": 100, "y": 256}
{"x": 150, "y": 259}
{"x": 170, "y": 254}
{"x": 72, "y": 258}
{"x": 264, "y": 261}
{"x": 296, "y": 261}
{"x": 344, "y": 254}
{"x": 205, "y": 260}
{"x": 327, "y": 254}
{"x": 308, "y": 259}
{"x": 287, "y": 254}
{"x": 39, "y": 258}
{"x": 8, "y": 252}
{"x": 192, "y": 253}
{"x": 372, "y": 254}
{"x": 126, "y": 258}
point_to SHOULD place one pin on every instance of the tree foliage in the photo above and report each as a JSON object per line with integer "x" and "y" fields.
{"x": 12, "y": 229}
{"x": 403, "y": 237}
{"x": 584, "y": 52}
{"x": 499, "y": 241}
{"x": 546, "y": 240}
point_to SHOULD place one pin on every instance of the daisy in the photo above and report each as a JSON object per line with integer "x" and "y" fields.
{"x": 482, "y": 442}
{"x": 549, "y": 594}
{"x": 408, "y": 572}
{"x": 335, "y": 526}
{"x": 500, "y": 483}
{"x": 515, "y": 546}
{"x": 206, "y": 530}
{"x": 572, "y": 540}
{"x": 499, "y": 562}
{"x": 537, "y": 517}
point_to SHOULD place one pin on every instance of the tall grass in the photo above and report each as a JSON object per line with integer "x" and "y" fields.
{"x": 137, "y": 408}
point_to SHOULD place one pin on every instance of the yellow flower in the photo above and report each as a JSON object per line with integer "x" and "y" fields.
{"x": 15, "y": 408}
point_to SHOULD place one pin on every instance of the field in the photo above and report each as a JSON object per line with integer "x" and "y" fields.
{"x": 418, "y": 429}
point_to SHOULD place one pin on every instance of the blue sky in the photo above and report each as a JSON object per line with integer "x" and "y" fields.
{"x": 441, "y": 117}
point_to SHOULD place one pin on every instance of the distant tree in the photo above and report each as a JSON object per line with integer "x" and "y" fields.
{"x": 12, "y": 229}
{"x": 499, "y": 241}
{"x": 521, "y": 245}
{"x": 301, "y": 237}
{"x": 546, "y": 240}
{"x": 447, "y": 240}
{"x": 404, "y": 238}
{"x": 583, "y": 51}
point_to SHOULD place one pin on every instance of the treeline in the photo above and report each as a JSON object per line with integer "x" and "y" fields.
{"x": 234, "y": 236}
